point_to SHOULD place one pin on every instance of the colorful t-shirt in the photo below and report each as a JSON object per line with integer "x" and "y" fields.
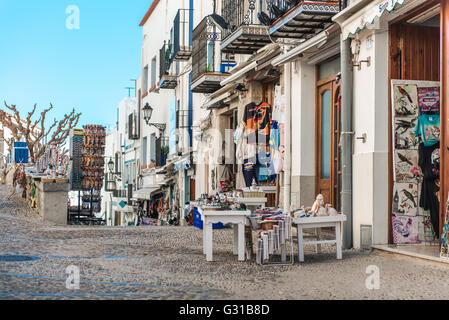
{"x": 249, "y": 122}
{"x": 263, "y": 123}
{"x": 428, "y": 128}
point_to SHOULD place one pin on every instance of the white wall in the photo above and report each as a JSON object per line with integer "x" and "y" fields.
{"x": 370, "y": 159}
{"x": 303, "y": 133}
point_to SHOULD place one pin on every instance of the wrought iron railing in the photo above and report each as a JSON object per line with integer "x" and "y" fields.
{"x": 238, "y": 13}
{"x": 204, "y": 56}
{"x": 165, "y": 59}
{"x": 277, "y": 8}
{"x": 181, "y": 35}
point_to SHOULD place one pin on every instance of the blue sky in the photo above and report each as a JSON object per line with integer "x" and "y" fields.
{"x": 41, "y": 61}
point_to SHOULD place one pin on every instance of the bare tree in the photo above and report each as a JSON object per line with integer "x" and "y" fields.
{"x": 34, "y": 132}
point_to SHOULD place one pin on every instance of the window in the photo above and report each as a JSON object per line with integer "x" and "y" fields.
{"x": 153, "y": 148}
{"x": 153, "y": 72}
{"x": 329, "y": 68}
{"x": 326, "y": 135}
{"x": 125, "y": 174}
{"x": 144, "y": 150}
{"x": 145, "y": 79}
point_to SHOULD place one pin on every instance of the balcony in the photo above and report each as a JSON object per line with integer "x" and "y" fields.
{"x": 243, "y": 32}
{"x": 206, "y": 58}
{"x": 167, "y": 78}
{"x": 180, "y": 36}
{"x": 302, "y": 20}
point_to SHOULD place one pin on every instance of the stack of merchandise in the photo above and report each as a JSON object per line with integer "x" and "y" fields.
{"x": 93, "y": 157}
{"x": 275, "y": 234}
{"x": 220, "y": 202}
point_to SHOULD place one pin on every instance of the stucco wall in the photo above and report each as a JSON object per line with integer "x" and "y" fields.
{"x": 370, "y": 101}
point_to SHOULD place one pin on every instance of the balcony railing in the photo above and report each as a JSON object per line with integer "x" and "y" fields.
{"x": 180, "y": 37}
{"x": 167, "y": 78}
{"x": 233, "y": 12}
{"x": 300, "y": 19}
{"x": 244, "y": 32}
{"x": 206, "y": 57}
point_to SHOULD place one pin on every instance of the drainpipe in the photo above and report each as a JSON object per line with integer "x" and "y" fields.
{"x": 346, "y": 140}
{"x": 288, "y": 136}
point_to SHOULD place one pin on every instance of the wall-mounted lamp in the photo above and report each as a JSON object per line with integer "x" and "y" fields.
{"x": 355, "y": 49}
{"x": 147, "y": 114}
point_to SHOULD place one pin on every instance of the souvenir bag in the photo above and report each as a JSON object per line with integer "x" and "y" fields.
{"x": 226, "y": 184}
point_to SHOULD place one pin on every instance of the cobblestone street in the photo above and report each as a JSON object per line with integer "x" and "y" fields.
{"x": 167, "y": 263}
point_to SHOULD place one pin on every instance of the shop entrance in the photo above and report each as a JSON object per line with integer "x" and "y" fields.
{"x": 328, "y": 124}
{"x": 414, "y": 99}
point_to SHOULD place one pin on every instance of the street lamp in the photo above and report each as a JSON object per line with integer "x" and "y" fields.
{"x": 147, "y": 114}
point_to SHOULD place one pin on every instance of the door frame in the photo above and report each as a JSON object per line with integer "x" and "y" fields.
{"x": 329, "y": 83}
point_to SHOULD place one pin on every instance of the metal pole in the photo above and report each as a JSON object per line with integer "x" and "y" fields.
{"x": 346, "y": 140}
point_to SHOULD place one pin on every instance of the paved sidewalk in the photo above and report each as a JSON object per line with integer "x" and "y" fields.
{"x": 167, "y": 263}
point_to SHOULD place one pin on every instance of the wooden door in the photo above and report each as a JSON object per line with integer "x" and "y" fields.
{"x": 192, "y": 190}
{"x": 328, "y": 140}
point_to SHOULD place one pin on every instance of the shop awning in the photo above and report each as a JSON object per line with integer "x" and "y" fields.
{"x": 265, "y": 54}
{"x": 367, "y": 14}
{"x": 317, "y": 40}
{"x": 182, "y": 164}
{"x": 145, "y": 193}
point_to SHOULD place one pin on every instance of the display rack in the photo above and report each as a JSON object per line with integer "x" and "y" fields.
{"x": 87, "y": 172}
{"x": 275, "y": 242}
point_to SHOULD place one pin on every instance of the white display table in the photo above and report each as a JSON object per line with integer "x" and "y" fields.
{"x": 237, "y": 218}
{"x": 318, "y": 223}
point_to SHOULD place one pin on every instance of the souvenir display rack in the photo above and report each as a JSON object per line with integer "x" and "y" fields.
{"x": 275, "y": 241}
{"x": 88, "y": 170}
{"x": 412, "y": 101}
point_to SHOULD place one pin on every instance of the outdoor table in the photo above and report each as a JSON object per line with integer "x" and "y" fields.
{"x": 237, "y": 218}
{"x": 318, "y": 223}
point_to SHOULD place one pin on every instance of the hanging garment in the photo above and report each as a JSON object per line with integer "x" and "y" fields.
{"x": 275, "y": 142}
{"x": 262, "y": 120}
{"x": 249, "y": 122}
{"x": 239, "y": 140}
{"x": 429, "y": 163}
{"x": 249, "y": 172}
{"x": 279, "y": 105}
{"x": 428, "y": 128}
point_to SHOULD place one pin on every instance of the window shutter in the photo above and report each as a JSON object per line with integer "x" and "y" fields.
{"x": 130, "y": 126}
{"x": 153, "y": 148}
{"x": 158, "y": 153}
